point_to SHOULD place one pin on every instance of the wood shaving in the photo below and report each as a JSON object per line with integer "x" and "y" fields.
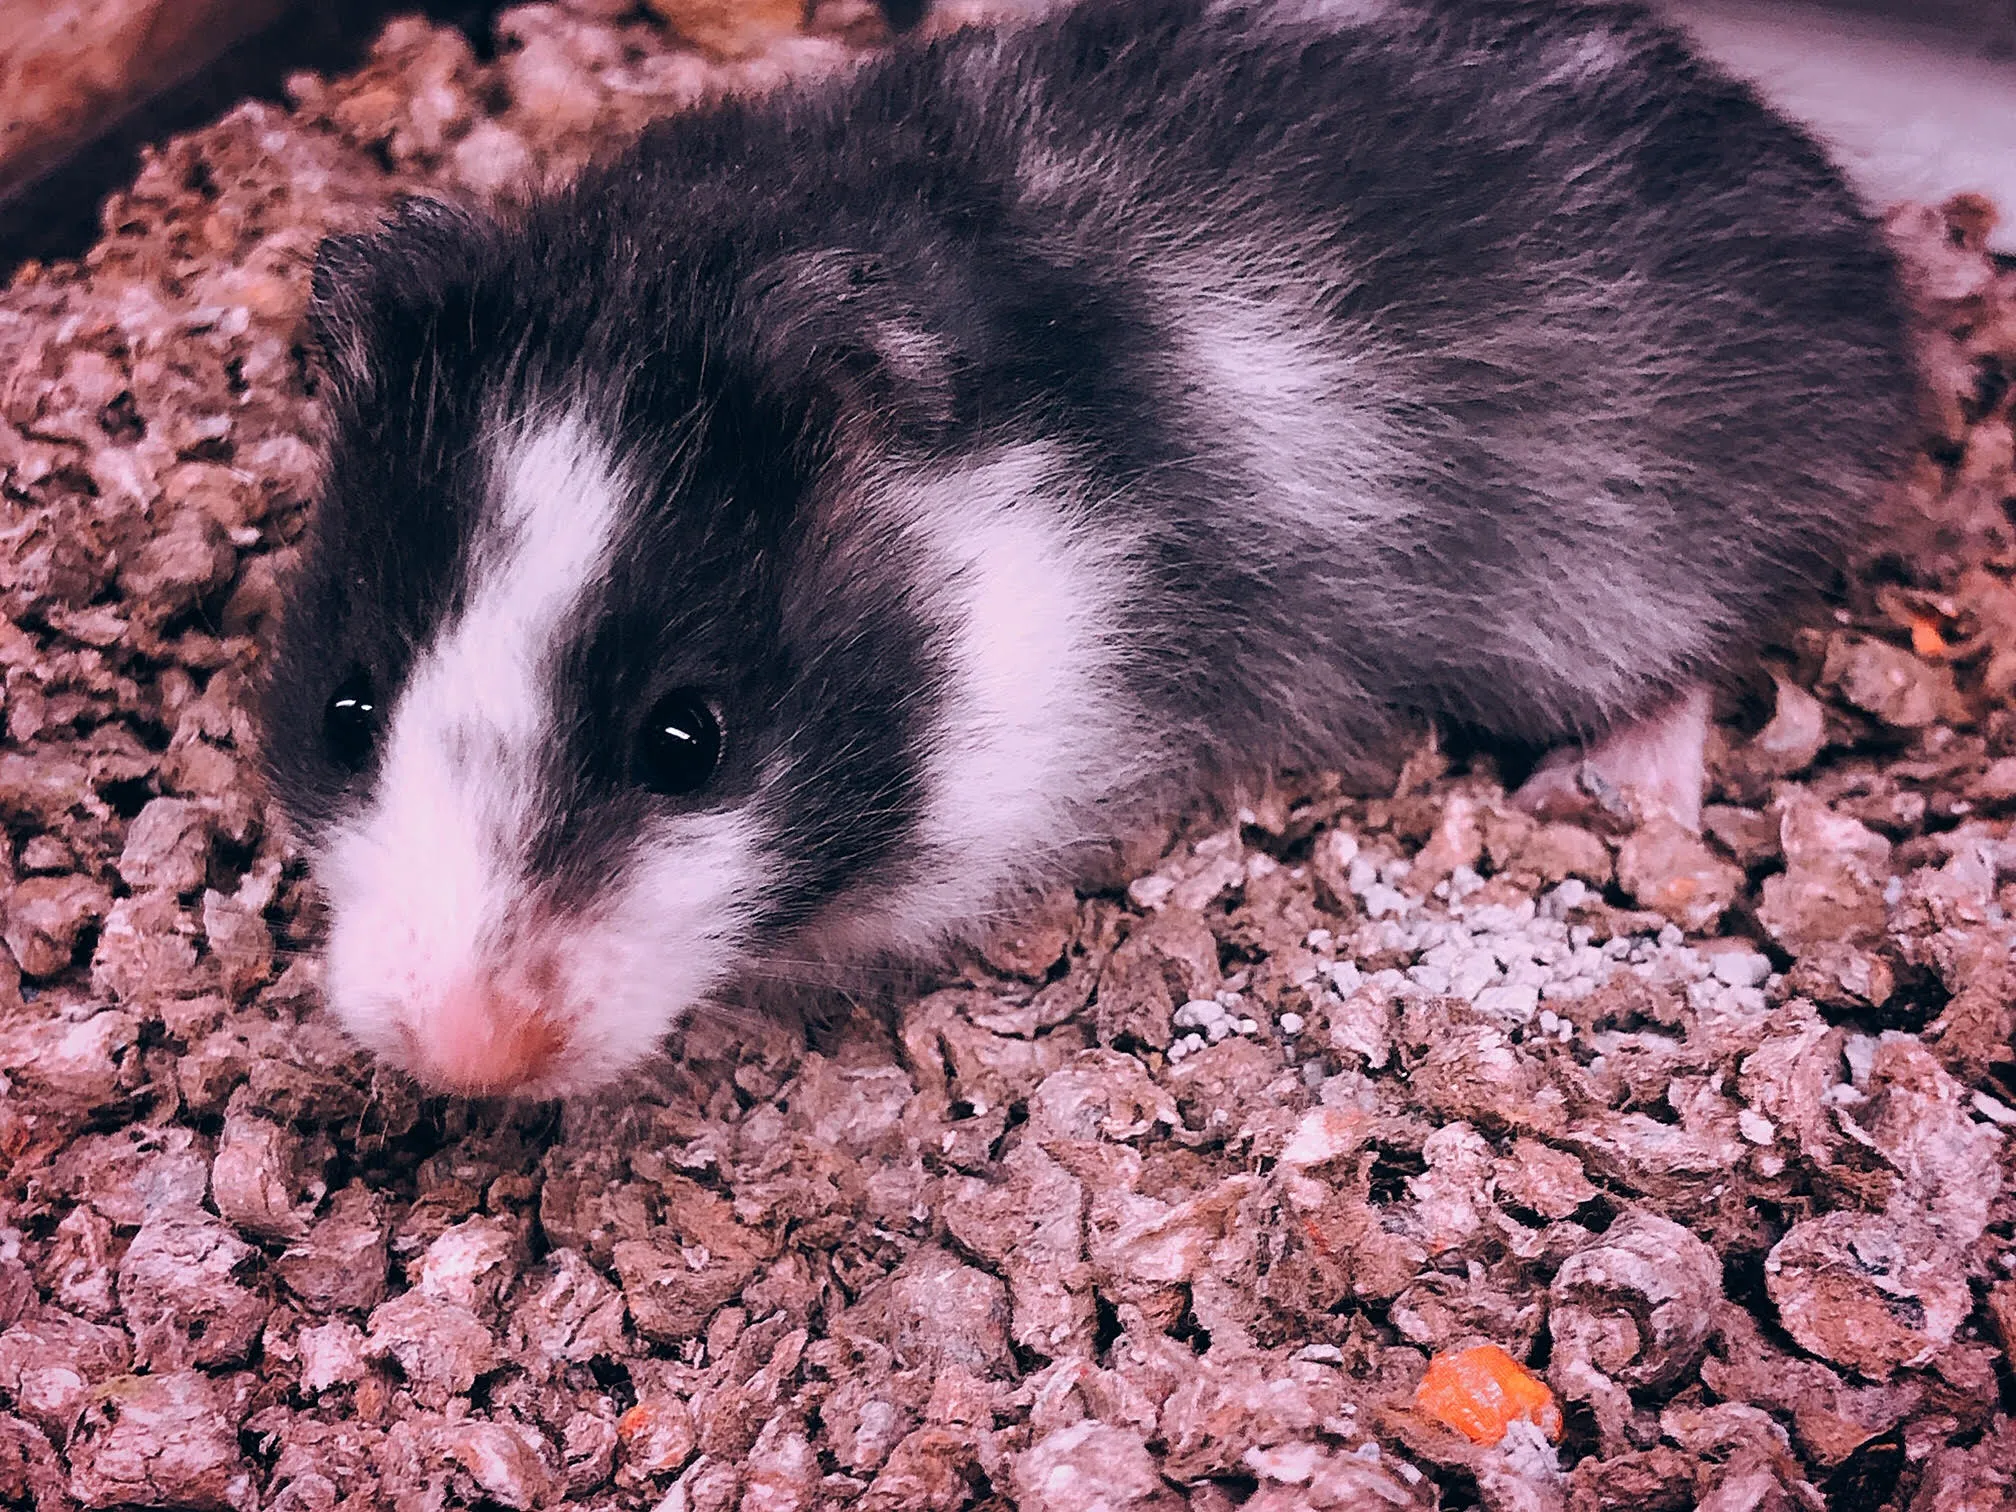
{"x": 1166, "y": 1198}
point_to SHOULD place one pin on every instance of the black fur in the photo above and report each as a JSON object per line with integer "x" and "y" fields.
{"x": 905, "y": 14}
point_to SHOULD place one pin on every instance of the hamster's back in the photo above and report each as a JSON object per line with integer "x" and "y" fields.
{"x": 1495, "y": 358}
{"x": 1570, "y": 362}
{"x": 1503, "y": 336}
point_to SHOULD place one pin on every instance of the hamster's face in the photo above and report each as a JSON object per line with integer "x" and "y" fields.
{"x": 570, "y": 711}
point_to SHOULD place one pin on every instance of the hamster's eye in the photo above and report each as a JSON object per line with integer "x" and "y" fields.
{"x": 679, "y": 746}
{"x": 350, "y": 723}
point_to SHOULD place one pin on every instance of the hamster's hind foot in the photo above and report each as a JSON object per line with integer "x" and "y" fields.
{"x": 1655, "y": 764}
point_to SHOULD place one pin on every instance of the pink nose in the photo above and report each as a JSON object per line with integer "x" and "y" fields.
{"x": 482, "y": 1042}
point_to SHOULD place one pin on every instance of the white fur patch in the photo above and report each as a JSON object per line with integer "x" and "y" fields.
{"x": 664, "y": 938}
{"x": 1588, "y": 56}
{"x": 1031, "y": 596}
{"x": 1305, "y": 397}
{"x": 426, "y": 886}
{"x": 1334, "y": 467}
{"x": 1328, "y": 14}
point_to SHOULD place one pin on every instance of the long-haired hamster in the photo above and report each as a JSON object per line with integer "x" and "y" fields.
{"x": 847, "y": 509}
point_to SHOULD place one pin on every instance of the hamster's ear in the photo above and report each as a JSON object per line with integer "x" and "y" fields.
{"x": 839, "y": 320}
{"x": 361, "y": 278}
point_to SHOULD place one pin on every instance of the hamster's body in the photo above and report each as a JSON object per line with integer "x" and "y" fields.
{"x": 1025, "y": 433}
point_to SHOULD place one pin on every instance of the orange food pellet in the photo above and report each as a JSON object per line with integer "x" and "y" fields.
{"x": 1926, "y": 638}
{"x": 638, "y": 1419}
{"x": 1481, "y": 1392}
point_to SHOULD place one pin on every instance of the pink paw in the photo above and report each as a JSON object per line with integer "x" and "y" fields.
{"x": 1655, "y": 765}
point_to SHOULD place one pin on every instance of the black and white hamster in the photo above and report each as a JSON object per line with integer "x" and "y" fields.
{"x": 848, "y": 508}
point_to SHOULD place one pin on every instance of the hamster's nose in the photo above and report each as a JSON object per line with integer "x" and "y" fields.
{"x": 483, "y": 1041}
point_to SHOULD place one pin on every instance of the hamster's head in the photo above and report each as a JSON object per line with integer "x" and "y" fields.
{"x": 581, "y": 701}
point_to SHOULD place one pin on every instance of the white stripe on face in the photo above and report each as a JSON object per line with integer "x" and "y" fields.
{"x": 439, "y": 956}
{"x": 422, "y": 882}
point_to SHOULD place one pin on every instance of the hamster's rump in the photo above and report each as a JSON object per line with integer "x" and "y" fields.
{"x": 1021, "y": 433}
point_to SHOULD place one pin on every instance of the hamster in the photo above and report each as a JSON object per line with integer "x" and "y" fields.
{"x": 846, "y": 510}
